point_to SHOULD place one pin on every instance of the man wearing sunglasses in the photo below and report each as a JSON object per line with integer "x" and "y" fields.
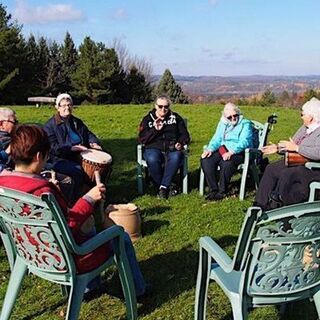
{"x": 163, "y": 132}
{"x": 226, "y": 149}
{"x": 8, "y": 121}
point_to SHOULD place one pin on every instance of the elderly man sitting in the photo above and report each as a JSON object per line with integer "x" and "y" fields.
{"x": 283, "y": 185}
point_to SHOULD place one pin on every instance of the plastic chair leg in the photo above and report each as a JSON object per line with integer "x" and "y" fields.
{"x": 75, "y": 298}
{"x": 316, "y": 299}
{"x": 239, "y": 310}
{"x": 201, "y": 183}
{"x": 15, "y": 282}
{"x": 140, "y": 178}
{"x": 202, "y": 286}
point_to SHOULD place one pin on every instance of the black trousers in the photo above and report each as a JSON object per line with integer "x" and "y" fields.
{"x": 292, "y": 183}
{"x": 227, "y": 170}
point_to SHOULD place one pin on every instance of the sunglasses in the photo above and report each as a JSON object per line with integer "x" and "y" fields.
{"x": 11, "y": 121}
{"x": 302, "y": 114}
{"x": 234, "y": 117}
{"x": 166, "y": 106}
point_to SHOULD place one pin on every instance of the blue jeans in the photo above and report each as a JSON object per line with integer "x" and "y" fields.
{"x": 74, "y": 171}
{"x": 163, "y": 165}
{"x": 139, "y": 282}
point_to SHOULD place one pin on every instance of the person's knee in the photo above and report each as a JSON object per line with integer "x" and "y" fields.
{"x": 152, "y": 158}
{"x": 175, "y": 157}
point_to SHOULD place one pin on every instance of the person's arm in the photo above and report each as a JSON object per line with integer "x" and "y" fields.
{"x": 147, "y": 131}
{"x": 216, "y": 140}
{"x": 183, "y": 134}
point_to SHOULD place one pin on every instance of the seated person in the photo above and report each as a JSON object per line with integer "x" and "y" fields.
{"x": 163, "y": 132}
{"x": 7, "y": 122}
{"x": 226, "y": 149}
{"x": 282, "y": 185}
{"x": 69, "y": 136}
{"x": 30, "y": 149}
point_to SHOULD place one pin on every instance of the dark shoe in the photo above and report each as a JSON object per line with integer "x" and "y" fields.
{"x": 163, "y": 194}
{"x": 173, "y": 191}
{"x": 275, "y": 197}
{"x": 147, "y": 293}
{"x": 210, "y": 196}
{"x": 219, "y": 196}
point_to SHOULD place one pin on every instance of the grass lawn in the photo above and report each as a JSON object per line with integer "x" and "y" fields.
{"x": 168, "y": 250}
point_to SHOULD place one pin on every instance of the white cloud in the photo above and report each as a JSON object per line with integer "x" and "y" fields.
{"x": 45, "y": 14}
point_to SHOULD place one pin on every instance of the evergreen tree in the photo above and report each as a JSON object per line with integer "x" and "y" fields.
{"x": 41, "y": 71}
{"x": 168, "y": 86}
{"x": 69, "y": 58}
{"x": 12, "y": 60}
{"x": 139, "y": 90}
{"x": 268, "y": 98}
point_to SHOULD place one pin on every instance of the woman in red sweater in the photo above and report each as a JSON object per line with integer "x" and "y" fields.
{"x": 29, "y": 150}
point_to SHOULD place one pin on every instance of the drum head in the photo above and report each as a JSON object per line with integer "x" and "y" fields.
{"x": 96, "y": 156}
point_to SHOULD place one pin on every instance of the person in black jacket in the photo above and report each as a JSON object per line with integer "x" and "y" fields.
{"x": 69, "y": 136}
{"x": 163, "y": 132}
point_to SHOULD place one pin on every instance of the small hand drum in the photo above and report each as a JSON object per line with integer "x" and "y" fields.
{"x": 95, "y": 160}
{"x": 294, "y": 159}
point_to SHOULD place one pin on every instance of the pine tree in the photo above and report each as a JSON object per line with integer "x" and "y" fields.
{"x": 168, "y": 86}
{"x": 69, "y": 58}
{"x": 268, "y": 98}
{"x": 41, "y": 71}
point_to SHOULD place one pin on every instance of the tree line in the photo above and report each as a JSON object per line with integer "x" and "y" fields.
{"x": 92, "y": 73}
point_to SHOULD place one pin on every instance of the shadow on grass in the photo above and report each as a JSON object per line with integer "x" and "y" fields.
{"x": 149, "y": 227}
{"x": 154, "y": 211}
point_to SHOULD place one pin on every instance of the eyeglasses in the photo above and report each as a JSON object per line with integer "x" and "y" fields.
{"x": 233, "y": 116}
{"x": 12, "y": 121}
{"x": 302, "y": 114}
{"x": 68, "y": 105}
{"x": 166, "y": 106}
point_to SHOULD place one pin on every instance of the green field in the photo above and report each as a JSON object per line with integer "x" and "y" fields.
{"x": 171, "y": 228}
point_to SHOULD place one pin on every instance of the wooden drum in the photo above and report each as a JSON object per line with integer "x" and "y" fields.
{"x": 94, "y": 160}
{"x": 294, "y": 159}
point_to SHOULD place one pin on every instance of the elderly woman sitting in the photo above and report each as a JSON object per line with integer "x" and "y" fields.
{"x": 226, "y": 150}
{"x": 283, "y": 185}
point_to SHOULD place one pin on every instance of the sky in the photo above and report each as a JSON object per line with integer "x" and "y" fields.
{"x": 190, "y": 37}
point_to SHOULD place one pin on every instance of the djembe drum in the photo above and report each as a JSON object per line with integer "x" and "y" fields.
{"x": 292, "y": 159}
{"x": 95, "y": 160}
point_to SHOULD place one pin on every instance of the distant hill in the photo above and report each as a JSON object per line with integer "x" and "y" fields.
{"x": 244, "y": 85}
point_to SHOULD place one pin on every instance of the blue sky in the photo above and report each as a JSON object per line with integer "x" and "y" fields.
{"x": 190, "y": 37}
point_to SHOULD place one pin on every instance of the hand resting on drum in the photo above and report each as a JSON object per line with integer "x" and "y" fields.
{"x": 94, "y": 145}
{"x": 78, "y": 147}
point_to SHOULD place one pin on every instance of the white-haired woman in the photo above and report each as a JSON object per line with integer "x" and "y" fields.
{"x": 226, "y": 149}
{"x": 282, "y": 185}
{"x": 68, "y": 136}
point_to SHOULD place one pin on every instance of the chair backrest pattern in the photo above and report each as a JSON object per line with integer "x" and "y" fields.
{"x": 30, "y": 224}
{"x": 285, "y": 255}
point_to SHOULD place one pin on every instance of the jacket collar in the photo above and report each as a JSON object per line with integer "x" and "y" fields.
{"x": 58, "y": 119}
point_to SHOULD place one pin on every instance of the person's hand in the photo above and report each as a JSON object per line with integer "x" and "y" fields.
{"x": 226, "y": 156}
{"x": 78, "y": 148}
{"x": 178, "y": 146}
{"x": 289, "y": 145}
{"x": 158, "y": 124}
{"x": 94, "y": 145}
{"x": 206, "y": 154}
{"x": 270, "y": 149}
{"x": 8, "y": 150}
{"x": 98, "y": 192}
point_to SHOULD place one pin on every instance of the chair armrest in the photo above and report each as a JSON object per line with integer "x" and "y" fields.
{"x": 216, "y": 253}
{"x": 99, "y": 239}
{"x": 313, "y": 187}
{"x": 312, "y": 165}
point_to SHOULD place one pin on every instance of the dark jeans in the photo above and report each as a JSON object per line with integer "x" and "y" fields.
{"x": 73, "y": 170}
{"x": 227, "y": 169}
{"x": 163, "y": 166}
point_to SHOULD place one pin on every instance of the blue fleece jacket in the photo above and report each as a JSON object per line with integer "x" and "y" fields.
{"x": 236, "y": 138}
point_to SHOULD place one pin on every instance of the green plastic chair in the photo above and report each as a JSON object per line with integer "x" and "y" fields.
{"x": 270, "y": 263}
{"x": 24, "y": 217}
{"x": 251, "y": 159}
{"x": 142, "y": 168}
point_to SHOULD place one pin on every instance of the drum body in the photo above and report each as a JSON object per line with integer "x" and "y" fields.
{"x": 96, "y": 160}
{"x": 294, "y": 159}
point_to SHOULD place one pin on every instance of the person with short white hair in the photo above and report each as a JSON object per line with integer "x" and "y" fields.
{"x": 226, "y": 149}
{"x": 8, "y": 120}
{"x": 283, "y": 185}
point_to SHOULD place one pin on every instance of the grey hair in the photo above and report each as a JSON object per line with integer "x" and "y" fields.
{"x": 232, "y": 107}
{"x": 6, "y": 114}
{"x": 312, "y": 108}
{"x": 163, "y": 97}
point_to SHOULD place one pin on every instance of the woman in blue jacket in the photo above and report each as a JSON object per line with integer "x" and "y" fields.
{"x": 69, "y": 136}
{"x": 226, "y": 150}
